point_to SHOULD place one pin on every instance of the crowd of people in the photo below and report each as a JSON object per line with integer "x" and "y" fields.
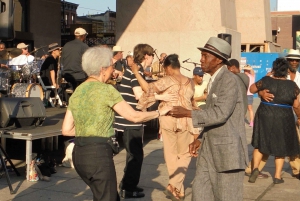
{"x": 180, "y": 129}
{"x": 197, "y": 118}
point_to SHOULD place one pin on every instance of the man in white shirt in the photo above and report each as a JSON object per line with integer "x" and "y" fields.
{"x": 200, "y": 87}
{"x": 24, "y": 58}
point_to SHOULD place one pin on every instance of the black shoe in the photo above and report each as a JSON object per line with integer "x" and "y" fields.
{"x": 138, "y": 189}
{"x": 131, "y": 194}
{"x": 278, "y": 181}
{"x": 260, "y": 175}
{"x": 297, "y": 176}
{"x": 253, "y": 176}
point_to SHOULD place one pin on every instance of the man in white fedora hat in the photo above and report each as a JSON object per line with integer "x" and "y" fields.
{"x": 223, "y": 153}
{"x": 293, "y": 58}
{"x": 71, "y": 58}
{"x": 118, "y": 62}
{"x": 24, "y": 58}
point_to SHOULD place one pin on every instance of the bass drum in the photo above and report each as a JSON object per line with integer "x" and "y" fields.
{"x": 27, "y": 90}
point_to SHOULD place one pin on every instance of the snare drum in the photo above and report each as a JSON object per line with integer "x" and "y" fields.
{"x": 30, "y": 69}
{"x": 16, "y": 72}
{"x": 27, "y": 90}
{"x": 26, "y": 71}
{"x": 16, "y": 75}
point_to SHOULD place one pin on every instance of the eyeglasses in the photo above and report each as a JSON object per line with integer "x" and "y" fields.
{"x": 25, "y": 48}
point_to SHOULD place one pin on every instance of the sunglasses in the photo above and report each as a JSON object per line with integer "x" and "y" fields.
{"x": 297, "y": 60}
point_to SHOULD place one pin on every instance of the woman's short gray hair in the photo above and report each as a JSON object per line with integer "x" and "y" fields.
{"x": 96, "y": 58}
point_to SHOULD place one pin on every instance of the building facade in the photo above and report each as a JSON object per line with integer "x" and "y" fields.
{"x": 35, "y": 22}
{"x": 286, "y": 29}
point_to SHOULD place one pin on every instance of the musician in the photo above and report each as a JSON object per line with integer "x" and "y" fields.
{"x": 2, "y": 46}
{"x": 157, "y": 69}
{"x": 24, "y": 58}
{"x": 2, "y": 61}
{"x": 49, "y": 68}
{"x": 118, "y": 62}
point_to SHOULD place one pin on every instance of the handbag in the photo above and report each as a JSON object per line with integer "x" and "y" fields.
{"x": 112, "y": 141}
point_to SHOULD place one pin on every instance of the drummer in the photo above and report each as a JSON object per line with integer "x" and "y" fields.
{"x": 2, "y": 61}
{"x": 24, "y": 58}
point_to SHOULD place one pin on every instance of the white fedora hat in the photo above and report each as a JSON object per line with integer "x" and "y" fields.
{"x": 293, "y": 54}
{"x": 117, "y": 49}
{"x": 218, "y": 47}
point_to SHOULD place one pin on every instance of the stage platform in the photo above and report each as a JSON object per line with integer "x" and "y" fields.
{"x": 50, "y": 129}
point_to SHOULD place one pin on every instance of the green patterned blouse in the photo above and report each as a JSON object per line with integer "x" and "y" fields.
{"x": 91, "y": 106}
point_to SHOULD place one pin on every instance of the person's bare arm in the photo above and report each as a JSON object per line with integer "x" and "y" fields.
{"x": 126, "y": 111}
{"x": 296, "y": 107}
{"x": 252, "y": 72}
{"x": 266, "y": 95}
{"x": 201, "y": 98}
{"x": 138, "y": 92}
{"x": 144, "y": 85}
{"x": 253, "y": 88}
{"x": 68, "y": 127}
{"x": 52, "y": 75}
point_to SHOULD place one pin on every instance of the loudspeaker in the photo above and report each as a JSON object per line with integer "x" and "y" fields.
{"x": 225, "y": 36}
{"x": 6, "y": 19}
{"x": 21, "y": 112}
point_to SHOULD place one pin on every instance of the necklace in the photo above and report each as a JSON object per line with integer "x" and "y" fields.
{"x": 94, "y": 78}
{"x": 279, "y": 78}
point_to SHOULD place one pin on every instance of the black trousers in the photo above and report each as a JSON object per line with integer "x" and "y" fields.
{"x": 133, "y": 143}
{"x": 72, "y": 81}
{"x": 94, "y": 164}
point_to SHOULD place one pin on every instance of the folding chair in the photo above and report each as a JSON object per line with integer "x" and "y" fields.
{"x": 47, "y": 90}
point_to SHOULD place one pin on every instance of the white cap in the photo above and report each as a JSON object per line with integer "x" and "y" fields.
{"x": 80, "y": 31}
{"x": 22, "y": 46}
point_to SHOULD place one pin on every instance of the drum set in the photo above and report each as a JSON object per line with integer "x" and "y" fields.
{"x": 19, "y": 80}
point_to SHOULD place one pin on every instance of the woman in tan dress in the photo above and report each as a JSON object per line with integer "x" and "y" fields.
{"x": 177, "y": 133}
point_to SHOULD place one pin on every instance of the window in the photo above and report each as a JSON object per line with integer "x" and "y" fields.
{"x": 66, "y": 19}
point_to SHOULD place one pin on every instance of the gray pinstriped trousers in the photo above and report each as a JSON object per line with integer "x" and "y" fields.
{"x": 210, "y": 185}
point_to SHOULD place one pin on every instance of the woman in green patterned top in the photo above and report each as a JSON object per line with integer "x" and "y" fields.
{"x": 89, "y": 118}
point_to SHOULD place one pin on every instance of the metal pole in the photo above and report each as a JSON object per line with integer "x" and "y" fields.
{"x": 64, "y": 23}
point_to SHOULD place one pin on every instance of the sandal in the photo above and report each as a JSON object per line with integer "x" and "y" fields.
{"x": 170, "y": 193}
{"x": 179, "y": 195}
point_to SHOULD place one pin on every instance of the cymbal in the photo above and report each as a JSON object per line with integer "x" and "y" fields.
{"x": 37, "y": 49}
{"x": 14, "y": 52}
{"x": 10, "y": 52}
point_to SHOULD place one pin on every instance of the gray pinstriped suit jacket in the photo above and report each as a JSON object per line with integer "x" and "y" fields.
{"x": 223, "y": 121}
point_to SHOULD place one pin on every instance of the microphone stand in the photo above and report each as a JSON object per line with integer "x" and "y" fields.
{"x": 190, "y": 62}
{"x": 158, "y": 62}
{"x": 185, "y": 68}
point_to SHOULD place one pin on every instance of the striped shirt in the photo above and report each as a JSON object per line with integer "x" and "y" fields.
{"x": 126, "y": 90}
